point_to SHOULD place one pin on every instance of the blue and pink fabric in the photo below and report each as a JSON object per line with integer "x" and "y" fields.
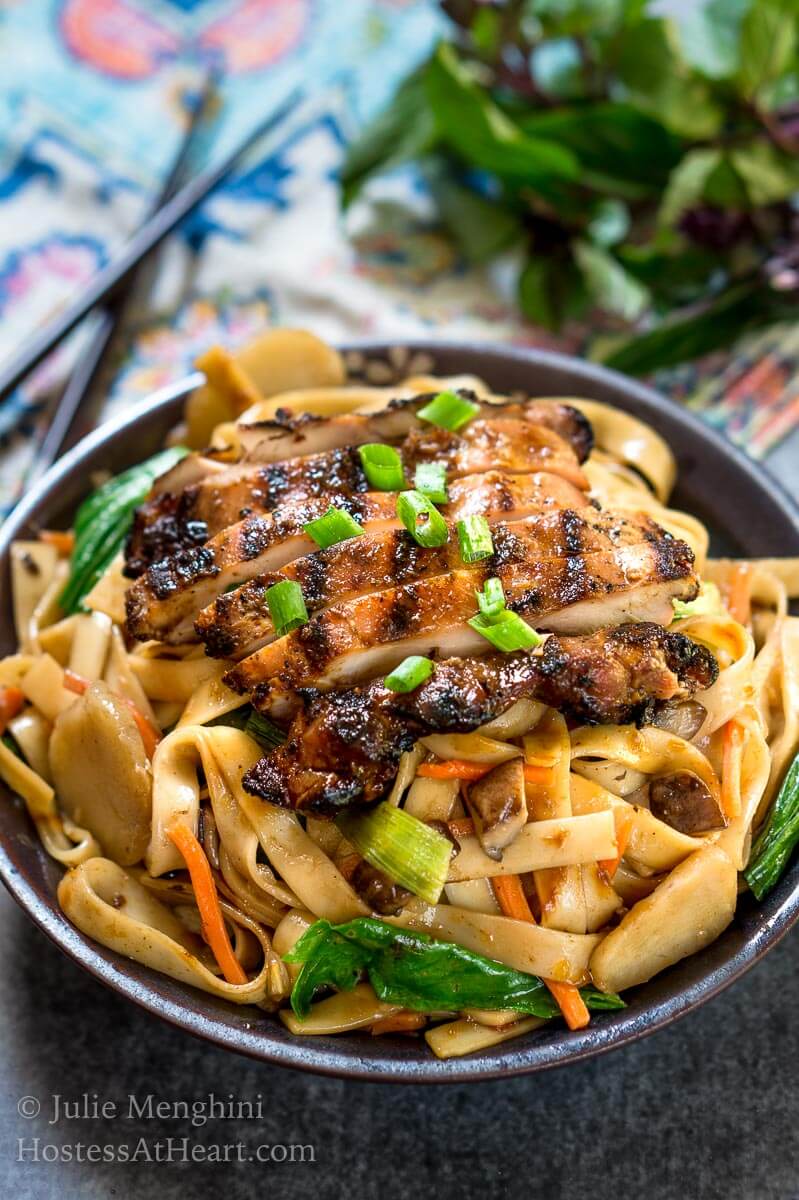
{"x": 93, "y": 100}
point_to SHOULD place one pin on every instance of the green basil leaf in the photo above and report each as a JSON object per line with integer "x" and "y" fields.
{"x": 417, "y": 971}
{"x": 608, "y": 284}
{"x": 686, "y": 185}
{"x": 615, "y": 140}
{"x": 769, "y": 37}
{"x": 480, "y": 227}
{"x": 685, "y": 337}
{"x": 481, "y": 133}
{"x": 778, "y": 838}
{"x": 659, "y": 82}
{"x": 710, "y": 35}
{"x": 405, "y": 130}
{"x": 609, "y": 223}
{"x": 328, "y": 960}
{"x": 769, "y": 175}
{"x": 581, "y": 17}
{"x": 550, "y": 290}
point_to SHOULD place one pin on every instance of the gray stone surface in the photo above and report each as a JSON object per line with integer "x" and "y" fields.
{"x": 706, "y": 1110}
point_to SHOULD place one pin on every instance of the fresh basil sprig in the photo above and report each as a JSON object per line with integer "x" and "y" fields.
{"x": 647, "y": 167}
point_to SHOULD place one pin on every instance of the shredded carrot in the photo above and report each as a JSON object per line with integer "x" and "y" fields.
{"x": 76, "y": 683}
{"x": 148, "y": 733}
{"x": 511, "y": 898}
{"x": 11, "y": 704}
{"x": 570, "y": 1003}
{"x": 624, "y": 827}
{"x": 458, "y": 768}
{"x": 513, "y": 902}
{"x": 454, "y": 768}
{"x": 731, "y": 769}
{"x": 202, "y": 881}
{"x": 62, "y": 540}
{"x": 536, "y": 774}
{"x": 404, "y": 1021}
{"x": 150, "y": 736}
{"x": 739, "y": 604}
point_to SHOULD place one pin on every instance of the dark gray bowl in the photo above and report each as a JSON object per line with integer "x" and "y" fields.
{"x": 748, "y": 513}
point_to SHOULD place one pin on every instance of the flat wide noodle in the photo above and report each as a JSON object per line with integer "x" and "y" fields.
{"x": 650, "y": 750}
{"x": 518, "y": 944}
{"x": 224, "y": 755}
{"x": 108, "y": 904}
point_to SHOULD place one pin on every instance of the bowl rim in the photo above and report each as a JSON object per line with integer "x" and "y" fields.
{"x": 561, "y": 1047}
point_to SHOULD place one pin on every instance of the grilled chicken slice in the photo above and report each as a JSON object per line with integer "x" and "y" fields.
{"x": 344, "y": 748}
{"x": 359, "y": 639}
{"x": 176, "y": 520}
{"x": 287, "y": 435}
{"x": 166, "y": 600}
{"x": 237, "y": 623}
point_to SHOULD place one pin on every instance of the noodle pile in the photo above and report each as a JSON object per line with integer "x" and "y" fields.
{"x": 613, "y": 893}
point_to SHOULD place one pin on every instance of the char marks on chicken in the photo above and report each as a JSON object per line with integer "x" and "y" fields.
{"x": 343, "y": 748}
{"x": 237, "y": 624}
{"x": 214, "y": 537}
{"x": 166, "y": 600}
{"x": 287, "y": 435}
{"x": 320, "y": 458}
{"x": 369, "y": 635}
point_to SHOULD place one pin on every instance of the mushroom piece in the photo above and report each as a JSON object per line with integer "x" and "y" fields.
{"x": 684, "y": 718}
{"x": 101, "y": 773}
{"x": 381, "y": 893}
{"x": 498, "y": 806}
{"x": 684, "y": 802}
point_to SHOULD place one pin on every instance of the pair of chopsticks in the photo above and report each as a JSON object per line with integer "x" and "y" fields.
{"x": 106, "y": 288}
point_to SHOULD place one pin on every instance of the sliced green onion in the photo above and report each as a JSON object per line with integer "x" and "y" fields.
{"x": 474, "y": 537}
{"x": 409, "y": 851}
{"x": 449, "y": 411}
{"x": 422, "y": 519}
{"x": 286, "y": 606}
{"x": 778, "y": 838}
{"x": 431, "y": 480}
{"x": 707, "y": 604}
{"x": 507, "y": 632}
{"x": 491, "y": 601}
{"x": 382, "y": 466}
{"x": 411, "y": 672}
{"x": 332, "y": 527}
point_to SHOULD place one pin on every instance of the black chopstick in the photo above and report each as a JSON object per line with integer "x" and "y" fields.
{"x": 107, "y": 282}
{"x": 91, "y": 358}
